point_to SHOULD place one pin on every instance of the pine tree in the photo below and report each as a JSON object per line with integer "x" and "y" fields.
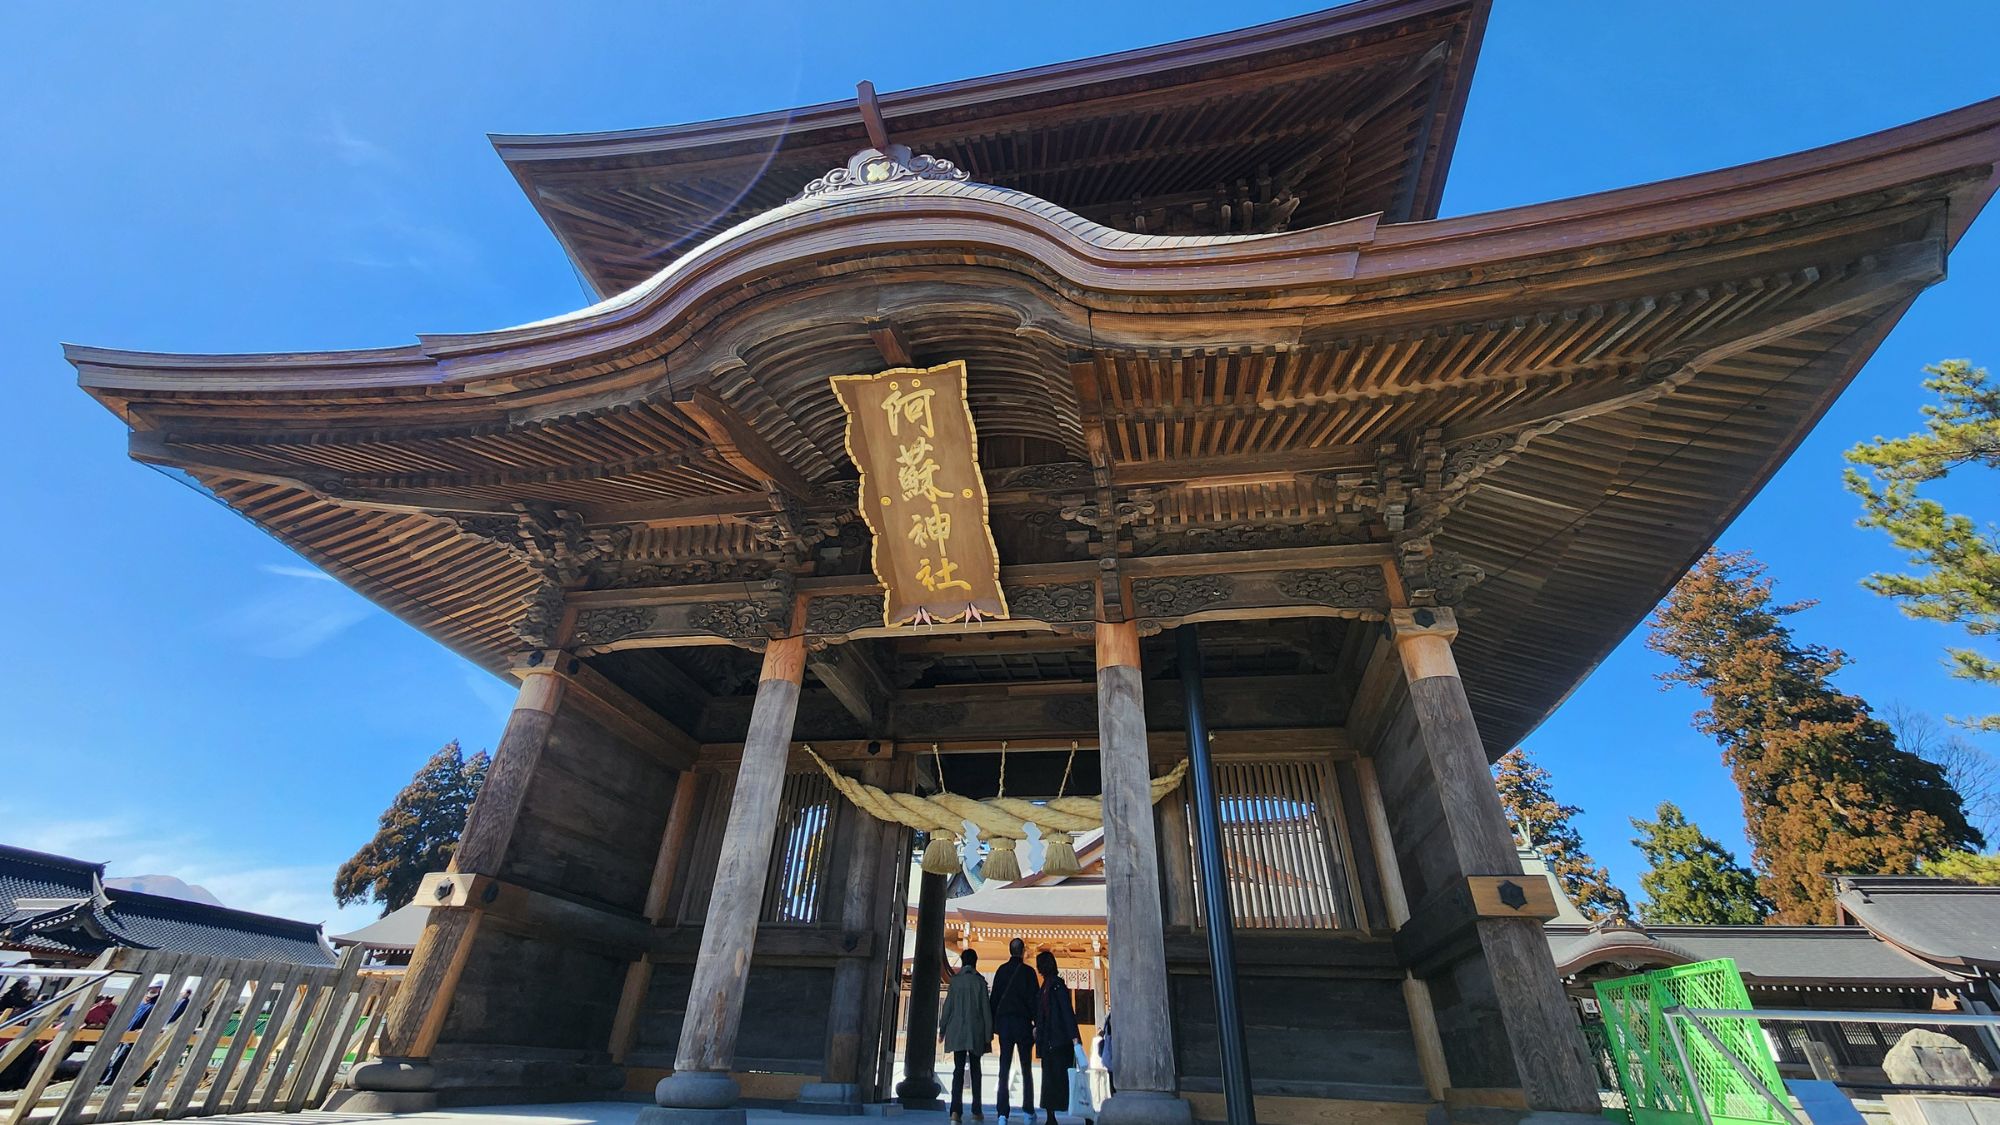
{"x": 1691, "y": 879}
{"x": 417, "y": 834}
{"x": 1957, "y": 560}
{"x": 1545, "y": 824}
{"x": 1964, "y": 867}
{"x": 1826, "y": 790}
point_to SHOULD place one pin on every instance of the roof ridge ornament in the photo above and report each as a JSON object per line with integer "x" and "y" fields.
{"x": 872, "y": 167}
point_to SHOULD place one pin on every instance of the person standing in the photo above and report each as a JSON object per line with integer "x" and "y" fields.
{"x": 966, "y": 1029}
{"x": 1015, "y": 997}
{"x": 1056, "y": 1035}
{"x": 1104, "y": 1049}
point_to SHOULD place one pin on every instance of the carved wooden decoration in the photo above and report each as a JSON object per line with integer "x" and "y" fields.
{"x": 911, "y": 434}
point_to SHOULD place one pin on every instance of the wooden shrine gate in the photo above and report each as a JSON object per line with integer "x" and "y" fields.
{"x": 255, "y": 1036}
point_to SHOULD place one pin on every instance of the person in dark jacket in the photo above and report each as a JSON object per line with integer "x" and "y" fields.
{"x": 1015, "y": 997}
{"x": 1056, "y": 1035}
{"x": 966, "y": 1029}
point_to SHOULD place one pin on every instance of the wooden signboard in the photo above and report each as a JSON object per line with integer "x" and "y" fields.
{"x": 1512, "y": 896}
{"x": 910, "y": 433}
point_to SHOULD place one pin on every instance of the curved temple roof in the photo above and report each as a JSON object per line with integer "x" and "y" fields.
{"x": 1581, "y": 393}
{"x": 1348, "y": 111}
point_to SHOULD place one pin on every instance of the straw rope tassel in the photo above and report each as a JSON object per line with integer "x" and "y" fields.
{"x": 1058, "y": 845}
{"x": 1003, "y": 818}
{"x": 1003, "y": 864}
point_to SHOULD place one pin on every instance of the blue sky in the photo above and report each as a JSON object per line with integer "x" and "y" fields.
{"x": 185, "y": 696}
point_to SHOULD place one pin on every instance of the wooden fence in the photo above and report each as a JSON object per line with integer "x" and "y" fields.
{"x": 254, "y": 1036}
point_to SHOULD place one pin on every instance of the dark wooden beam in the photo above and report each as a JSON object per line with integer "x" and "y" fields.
{"x": 871, "y": 116}
{"x": 849, "y": 671}
{"x": 1248, "y": 468}
{"x": 623, "y": 714}
{"x": 890, "y": 341}
{"x": 1090, "y": 409}
{"x": 680, "y": 512}
{"x": 737, "y": 441}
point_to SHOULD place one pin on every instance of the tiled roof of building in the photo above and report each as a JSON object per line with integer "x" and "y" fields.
{"x": 1944, "y": 923}
{"x": 158, "y": 922}
{"x": 1848, "y": 956}
{"x": 55, "y": 905}
{"x": 39, "y": 875}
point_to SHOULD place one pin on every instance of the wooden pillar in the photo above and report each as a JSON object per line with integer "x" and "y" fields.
{"x": 707, "y": 1051}
{"x": 1546, "y": 1044}
{"x": 842, "y": 1076}
{"x": 919, "y": 1088}
{"x": 416, "y": 1015}
{"x": 1136, "y": 940}
{"x": 675, "y": 837}
{"x": 1416, "y": 994}
{"x": 1176, "y": 859}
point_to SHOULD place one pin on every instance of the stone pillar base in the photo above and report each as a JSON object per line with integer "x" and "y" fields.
{"x": 387, "y": 1086}
{"x": 663, "y": 1115}
{"x": 393, "y": 1075}
{"x": 920, "y": 1091}
{"x": 1144, "y": 1107}
{"x": 697, "y": 1089}
{"x": 828, "y": 1099}
{"x": 380, "y": 1101}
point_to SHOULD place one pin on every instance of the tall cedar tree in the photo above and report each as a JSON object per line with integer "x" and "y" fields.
{"x": 1544, "y": 824}
{"x": 1956, "y": 560}
{"x": 1691, "y": 879}
{"x": 418, "y": 832}
{"x": 1826, "y": 790}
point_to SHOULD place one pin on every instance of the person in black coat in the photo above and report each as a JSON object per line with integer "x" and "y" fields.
{"x": 1014, "y": 999}
{"x": 1056, "y": 1035}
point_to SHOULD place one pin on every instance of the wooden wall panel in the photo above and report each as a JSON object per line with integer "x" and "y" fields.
{"x": 1316, "y": 1037}
{"x": 534, "y": 992}
{"x": 1416, "y": 812}
{"x": 784, "y": 1017}
{"x": 590, "y": 827}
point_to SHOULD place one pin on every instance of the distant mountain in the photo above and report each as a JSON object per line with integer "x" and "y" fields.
{"x": 165, "y": 886}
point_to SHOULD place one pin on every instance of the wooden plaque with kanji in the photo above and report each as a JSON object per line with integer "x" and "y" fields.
{"x": 911, "y": 434}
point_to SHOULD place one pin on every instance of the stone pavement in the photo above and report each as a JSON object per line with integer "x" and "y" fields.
{"x": 568, "y": 1113}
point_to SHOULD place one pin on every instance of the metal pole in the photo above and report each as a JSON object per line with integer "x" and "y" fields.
{"x": 1216, "y": 914}
{"x": 919, "y": 1088}
{"x": 1690, "y": 1084}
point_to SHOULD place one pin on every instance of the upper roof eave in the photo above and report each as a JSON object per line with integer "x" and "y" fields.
{"x": 742, "y": 149}
{"x": 1347, "y": 19}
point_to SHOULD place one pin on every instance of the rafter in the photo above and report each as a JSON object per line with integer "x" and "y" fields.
{"x": 737, "y": 441}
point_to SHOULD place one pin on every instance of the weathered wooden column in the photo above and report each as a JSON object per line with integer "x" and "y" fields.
{"x": 401, "y": 1078}
{"x": 700, "y": 1089}
{"x": 841, "y": 1078}
{"x": 919, "y": 1088}
{"x": 1136, "y": 938}
{"x": 1546, "y": 1044}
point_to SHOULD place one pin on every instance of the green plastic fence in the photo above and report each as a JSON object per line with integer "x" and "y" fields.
{"x": 1649, "y": 1071}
